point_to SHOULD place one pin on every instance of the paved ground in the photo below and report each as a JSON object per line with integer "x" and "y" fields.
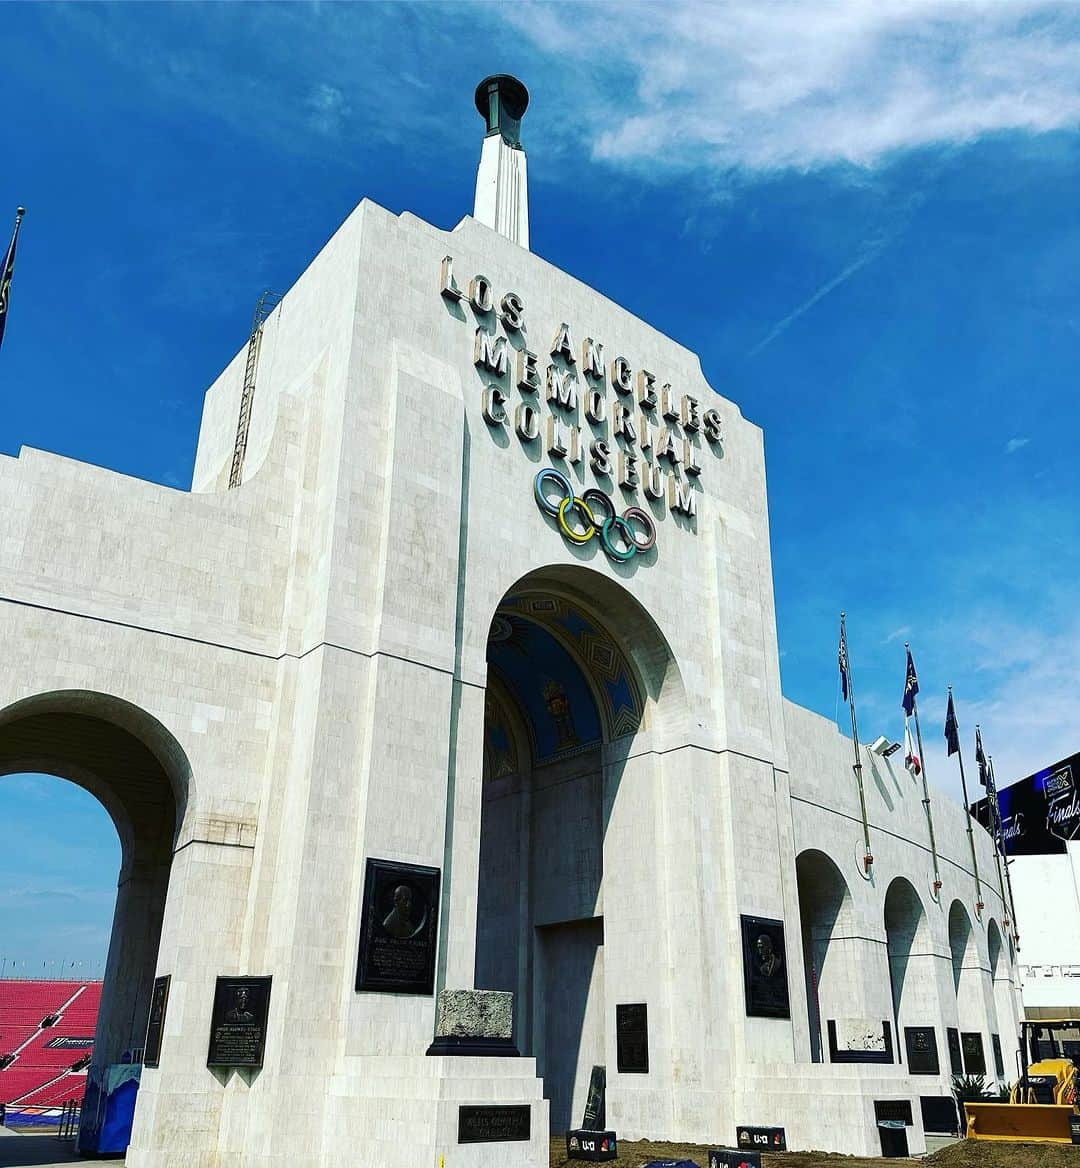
{"x": 39, "y": 1151}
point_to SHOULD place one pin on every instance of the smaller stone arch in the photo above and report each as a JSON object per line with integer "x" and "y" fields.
{"x": 826, "y": 911}
{"x": 961, "y": 942}
{"x": 911, "y": 957}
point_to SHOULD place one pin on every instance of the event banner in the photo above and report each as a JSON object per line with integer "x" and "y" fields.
{"x": 1039, "y": 813}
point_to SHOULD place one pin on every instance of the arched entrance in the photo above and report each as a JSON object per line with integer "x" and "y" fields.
{"x": 912, "y": 961}
{"x": 577, "y": 674}
{"x": 825, "y": 910}
{"x": 971, "y": 1001}
{"x": 133, "y": 766}
{"x": 1004, "y": 1003}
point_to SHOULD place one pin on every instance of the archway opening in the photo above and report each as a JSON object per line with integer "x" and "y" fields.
{"x": 907, "y": 936}
{"x": 972, "y": 1006}
{"x": 577, "y": 674}
{"x": 824, "y": 904}
{"x": 134, "y": 768}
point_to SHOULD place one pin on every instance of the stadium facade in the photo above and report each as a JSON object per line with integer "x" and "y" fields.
{"x": 472, "y": 681}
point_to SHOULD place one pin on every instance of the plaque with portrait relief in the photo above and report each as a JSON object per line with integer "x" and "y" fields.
{"x": 971, "y": 1044}
{"x": 238, "y": 1022}
{"x": 922, "y": 1052}
{"x": 398, "y": 928}
{"x": 765, "y": 968}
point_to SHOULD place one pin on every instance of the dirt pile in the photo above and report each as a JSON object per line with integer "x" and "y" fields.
{"x": 969, "y": 1154}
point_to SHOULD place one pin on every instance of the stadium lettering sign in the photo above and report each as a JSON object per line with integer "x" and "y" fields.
{"x": 641, "y": 432}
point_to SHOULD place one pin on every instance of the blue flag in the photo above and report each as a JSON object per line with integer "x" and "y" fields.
{"x": 952, "y": 730}
{"x": 6, "y": 273}
{"x": 841, "y": 657}
{"x": 911, "y": 687}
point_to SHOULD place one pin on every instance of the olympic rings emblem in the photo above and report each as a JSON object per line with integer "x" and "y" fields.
{"x": 593, "y": 514}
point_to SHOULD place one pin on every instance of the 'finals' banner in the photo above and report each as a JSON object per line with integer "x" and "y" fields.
{"x": 1039, "y": 813}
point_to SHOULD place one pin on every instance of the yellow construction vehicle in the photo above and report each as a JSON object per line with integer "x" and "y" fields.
{"x": 1042, "y": 1102}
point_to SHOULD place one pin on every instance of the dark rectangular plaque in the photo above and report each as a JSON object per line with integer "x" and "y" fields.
{"x": 398, "y": 928}
{"x": 733, "y": 1158}
{"x": 922, "y": 1053}
{"x": 238, "y": 1022}
{"x": 971, "y": 1044}
{"x": 494, "y": 1124}
{"x": 893, "y": 1110}
{"x": 956, "y": 1062}
{"x": 155, "y": 1024}
{"x": 999, "y": 1059}
{"x": 761, "y": 1139}
{"x": 836, "y": 1055}
{"x": 596, "y": 1102}
{"x": 765, "y": 968}
{"x": 939, "y": 1115}
{"x": 632, "y": 1039}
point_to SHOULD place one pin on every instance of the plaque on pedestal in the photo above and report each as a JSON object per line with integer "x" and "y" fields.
{"x": 971, "y": 1044}
{"x": 999, "y": 1059}
{"x": 922, "y": 1053}
{"x": 765, "y": 968}
{"x": 238, "y": 1022}
{"x": 632, "y": 1039}
{"x": 596, "y": 1103}
{"x": 156, "y": 1022}
{"x": 398, "y": 928}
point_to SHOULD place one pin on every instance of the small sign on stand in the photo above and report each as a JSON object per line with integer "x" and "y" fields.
{"x": 733, "y": 1158}
{"x": 591, "y": 1145}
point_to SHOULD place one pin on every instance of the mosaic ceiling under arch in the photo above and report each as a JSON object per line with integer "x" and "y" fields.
{"x": 546, "y": 652}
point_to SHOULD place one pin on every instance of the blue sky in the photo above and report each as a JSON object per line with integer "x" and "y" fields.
{"x": 863, "y": 217}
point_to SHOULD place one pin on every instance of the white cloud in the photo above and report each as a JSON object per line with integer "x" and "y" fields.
{"x": 896, "y": 634}
{"x": 1014, "y": 444}
{"x": 758, "y": 86}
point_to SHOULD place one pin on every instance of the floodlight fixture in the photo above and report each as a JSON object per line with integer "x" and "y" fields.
{"x": 883, "y": 747}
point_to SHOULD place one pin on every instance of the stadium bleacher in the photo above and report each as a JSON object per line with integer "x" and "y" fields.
{"x": 41, "y": 1075}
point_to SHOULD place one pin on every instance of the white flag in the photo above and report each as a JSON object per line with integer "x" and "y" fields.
{"x": 911, "y": 757}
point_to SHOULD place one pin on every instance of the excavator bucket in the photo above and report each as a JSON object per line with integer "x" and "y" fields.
{"x": 1036, "y": 1123}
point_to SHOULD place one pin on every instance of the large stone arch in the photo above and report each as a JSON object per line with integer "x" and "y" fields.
{"x": 582, "y": 692}
{"x": 131, "y": 763}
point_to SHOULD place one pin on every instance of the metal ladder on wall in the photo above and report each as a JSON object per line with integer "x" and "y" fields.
{"x": 266, "y": 304}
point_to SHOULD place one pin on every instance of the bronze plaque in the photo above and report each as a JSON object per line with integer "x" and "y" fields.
{"x": 494, "y": 1124}
{"x": 971, "y": 1044}
{"x": 156, "y": 1023}
{"x": 765, "y": 968}
{"x": 398, "y": 928}
{"x": 632, "y": 1039}
{"x": 238, "y": 1022}
{"x": 922, "y": 1053}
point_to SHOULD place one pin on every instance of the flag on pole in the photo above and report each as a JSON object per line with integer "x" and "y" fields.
{"x": 6, "y": 273}
{"x": 952, "y": 730}
{"x": 911, "y": 687}
{"x": 980, "y": 758}
{"x": 842, "y": 659}
{"x": 911, "y": 756}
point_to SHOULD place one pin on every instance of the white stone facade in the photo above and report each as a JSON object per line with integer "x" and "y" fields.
{"x": 300, "y": 664}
